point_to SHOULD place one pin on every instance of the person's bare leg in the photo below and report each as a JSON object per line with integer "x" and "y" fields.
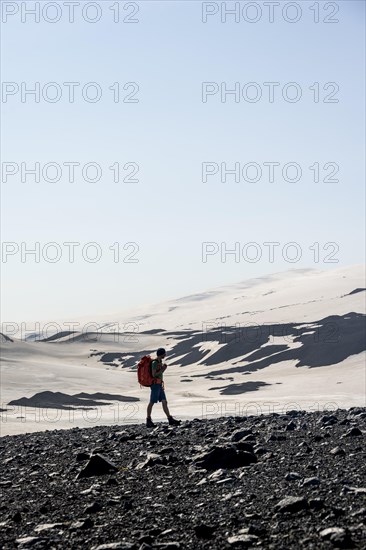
{"x": 149, "y": 409}
{"x": 165, "y": 408}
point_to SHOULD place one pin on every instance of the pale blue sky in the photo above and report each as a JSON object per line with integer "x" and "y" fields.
{"x": 169, "y": 133}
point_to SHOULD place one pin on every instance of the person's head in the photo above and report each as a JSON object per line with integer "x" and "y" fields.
{"x": 161, "y": 353}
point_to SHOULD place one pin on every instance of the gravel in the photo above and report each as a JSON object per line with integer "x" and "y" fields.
{"x": 298, "y": 482}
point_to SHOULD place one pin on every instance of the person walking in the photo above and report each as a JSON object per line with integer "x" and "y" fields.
{"x": 157, "y": 389}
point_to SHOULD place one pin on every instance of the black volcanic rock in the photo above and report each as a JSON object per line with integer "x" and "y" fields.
{"x": 291, "y": 504}
{"x": 80, "y": 457}
{"x": 355, "y": 431}
{"x": 121, "y": 545}
{"x": 338, "y": 536}
{"x": 82, "y": 524}
{"x": 240, "y": 434}
{"x": 290, "y": 426}
{"x": 291, "y": 476}
{"x": 244, "y": 446}
{"x": 93, "y": 508}
{"x": 189, "y": 488}
{"x": 224, "y": 457}
{"x": 243, "y": 540}
{"x": 337, "y": 451}
{"x": 98, "y": 465}
{"x": 311, "y": 482}
{"x": 204, "y": 531}
{"x": 26, "y": 542}
{"x": 151, "y": 460}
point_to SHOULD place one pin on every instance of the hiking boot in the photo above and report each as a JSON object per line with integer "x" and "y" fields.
{"x": 149, "y": 423}
{"x": 173, "y": 421}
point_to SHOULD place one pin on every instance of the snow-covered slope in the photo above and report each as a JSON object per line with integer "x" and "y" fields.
{"x": 290, "y": 340}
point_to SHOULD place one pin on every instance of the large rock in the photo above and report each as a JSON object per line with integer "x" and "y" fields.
{"x": 291, "y": 504}
{"x": 338, "y": 536}
{"x": 204, "y": 531}
{"x": 98, "y": 465}
{"x": 151, "y": 460}
{"x": 337, "y": 451}
{"x": 83, "y": 523}
{"x": 239, "y": 434}
{"x": 115, "y": 546}
{"x": 243, "y": 540}
{"x": 93, "y": 508}
{"x": 355, "y": 431}
{"x": 311, "y": 482}
{"x": 328, "y": 419}
{"x": 244, "y": 446}
{"x": 28, "y": 541}
{"x": 224, "y": 457}
{"x": 291, "y": 426}
{"x": 291, "y": 476}
{"x": 80, "y": 457}
{"x": 47, "y": 527}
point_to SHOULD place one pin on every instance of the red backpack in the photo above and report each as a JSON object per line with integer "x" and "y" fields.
{"x": 144, "y": 371}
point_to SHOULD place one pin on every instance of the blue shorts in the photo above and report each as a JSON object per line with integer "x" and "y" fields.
{"x": 157, "y": 393}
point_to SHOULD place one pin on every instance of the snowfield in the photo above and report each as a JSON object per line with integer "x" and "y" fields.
{"x": 292, "y": 340}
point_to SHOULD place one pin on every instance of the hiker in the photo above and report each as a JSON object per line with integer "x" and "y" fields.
{"x": 157, "y": 389}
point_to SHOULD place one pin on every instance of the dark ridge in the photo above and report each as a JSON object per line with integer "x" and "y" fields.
{"x": 83, "y": 337}
{"x": 180, "y": 332}
{"x": 59, "y": 400}
{"x": 265, "y": 352}
{"x": 153, "y": 331}
{"x": 94, "y": 336}
{"x": 356, "y": 291}
{"x": 4, "y": 338}
{"x": 236, "y": 389}
{"x": 58, "y": 335}
{"x": 109, "y": 357}
{"x": 333, "y": 340}
{"x": 126, "y": 360}
{"x": 107, "y": 396}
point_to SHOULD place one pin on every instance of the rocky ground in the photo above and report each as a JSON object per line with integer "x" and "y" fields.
{"x": 276, "y": 481}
